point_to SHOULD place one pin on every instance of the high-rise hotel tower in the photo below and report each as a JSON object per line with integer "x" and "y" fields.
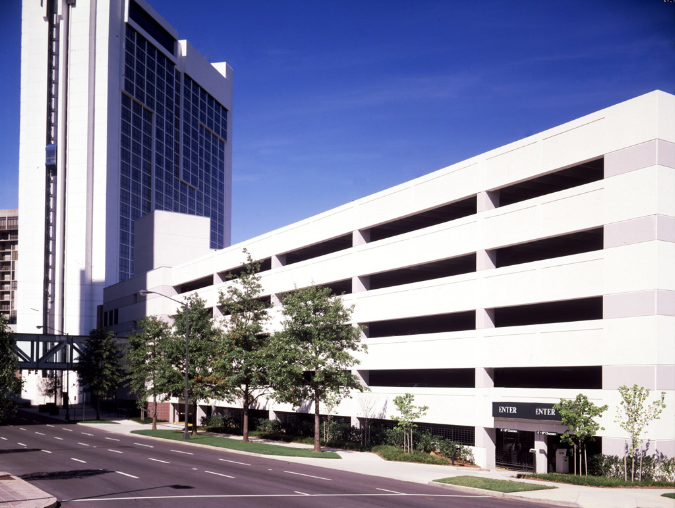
{"x": 118, "y": 118}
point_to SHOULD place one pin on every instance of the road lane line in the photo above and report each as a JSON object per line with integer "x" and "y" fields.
{"x": 127, "y": 474}
{"x": 114, "y": 451}
{"x": 22, "y": 444}
{"x": 157, "y": 460}
{"x": 21, "y": 428}
{"x": 146, "y": 445}
{"x": 46, "y": 451}
{"x": 3, "y": 438}
{"x": 309, "y": 475}
{"x": 77, "y": 460}
{"x": 39, "y": 433}
{"x": 301, "y": 493}
{"x": 83, "y": 444}
{"x": 112, "y": 439}
{"x": 235, "y": 462}
{"x": 68, "y": 430}
{"x": 186, "y": 453}
{"x": 87, "y": 434}
{"x": 49, "y": 425}
{"x": 59, "y": 438}
{"x": 392, "y": 491}
{"x": 268, "y": 496}
{"x": 219, "y": 474}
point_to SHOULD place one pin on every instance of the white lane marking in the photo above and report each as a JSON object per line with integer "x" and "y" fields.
{"x": 22, "y": 444}
{"x": 392, "y": 491}
{"x": 186, "y": 453}
{"x": 146, "y": 445}
{"x": 46, "y": 451}
{"x": 235, "y": 462}
{"x": 219, "y": 474}
{"x": 59, "y": 438}
{"x": 21, "y": 428}
{"x": 3, "y": 438}
{"x": 301, "y": 493}
{"x": 39, "y": 433}
{"x": 87, "y": 434}
{"x": 157, "y": 460}
{"x": 83, "y": 444}
{"x": 233, "y": 496}
{"x": 309, "y": 475}
{"x": 127, "y": 474}
{"x": 77, "y": 460}
{"x": 114, "y": 451}
{"x": 49, "y": 425}
{"x": 112, "y": 439}
{"x": 67, "y": 430}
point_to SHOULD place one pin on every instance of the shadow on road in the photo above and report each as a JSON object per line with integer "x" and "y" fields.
{"x": 19, "y": 450}
{"x": 129, "y": 492}
{"x": 64, "y": 475}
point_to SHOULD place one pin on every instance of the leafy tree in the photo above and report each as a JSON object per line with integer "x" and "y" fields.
{"x": 202, "y": 344}
{"x": 241, "y": 368}
{"x": 147, "y": 366}
{"x": 406, "y": 422}
{"x": 634, "y": 415}
{"x": 10, "y": 384}
{"x": 50, "y": 385}
{"x": 99, "y": 369}
{"x": 578, "y": 415}
{"x": 314, "y": 351}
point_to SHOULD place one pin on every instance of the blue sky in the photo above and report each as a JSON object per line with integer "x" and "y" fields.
{"x": 335, "y": 100}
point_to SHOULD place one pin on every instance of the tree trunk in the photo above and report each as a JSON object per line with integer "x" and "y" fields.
{"x": 154, "y": 412}
{"x": 625, "y": 469}
{"x": 640, "y": 472}
{"x": 244, "y": 425}
{"x": 585, "y": 460}
{"x": 98, "y": 407}
{"x": 574, "y": 458}
{"x": 317, "y": 425}
{"x": 632, "y": 467}
{"x": 194, "y": 421}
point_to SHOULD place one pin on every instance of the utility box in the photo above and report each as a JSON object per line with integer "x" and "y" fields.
{"x": 562, "y": 461}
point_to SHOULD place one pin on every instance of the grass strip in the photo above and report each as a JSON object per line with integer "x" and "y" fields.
{"x": 235, "y": 444}
{"x": 394, "y": 453}
{"x": 596, "y": 481}
{"x": 492, "y": 484}
{"x": 671, "y": 495}
{"x": 98, "y": 421}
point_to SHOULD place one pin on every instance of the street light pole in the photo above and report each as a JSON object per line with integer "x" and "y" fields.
{"x": 145, "y": 292}
{"x": 68, "y": 366}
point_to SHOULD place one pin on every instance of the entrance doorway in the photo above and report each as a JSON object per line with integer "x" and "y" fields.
{"x": 513, "y": 449}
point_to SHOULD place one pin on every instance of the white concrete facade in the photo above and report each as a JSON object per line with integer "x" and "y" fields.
{"x": 107, "y": 172}
{"x": 620, "y": 283}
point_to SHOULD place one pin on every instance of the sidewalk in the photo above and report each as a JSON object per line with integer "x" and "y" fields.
{"x": 371, "y": 464}
{"x": 17, "y": 493}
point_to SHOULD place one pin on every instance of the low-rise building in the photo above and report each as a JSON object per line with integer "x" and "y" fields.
{"x": 490, "y": 289}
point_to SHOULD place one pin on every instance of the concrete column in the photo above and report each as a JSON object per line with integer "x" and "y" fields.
{"x": 486, "y": 438}
{"x": 486, "y": 260}
{"x": 360, "y": 284}
{"x": 541, "y": 454}
{"x": 275, "y": 300}
{"x": 487, "y": 200}
{"x": 278, "y": 261}
{"x": 485, "y": 377}
{"x": 360, "y": 237}
{"x": 485, "y": 318}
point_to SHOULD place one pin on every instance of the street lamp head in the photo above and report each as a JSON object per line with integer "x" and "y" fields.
{"x": 144, "y": 292}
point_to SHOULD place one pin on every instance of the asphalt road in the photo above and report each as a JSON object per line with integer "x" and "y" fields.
{"x": 84, "y": 466}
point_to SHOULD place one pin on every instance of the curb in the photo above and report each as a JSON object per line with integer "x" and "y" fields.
{"x": 31, "y": 495}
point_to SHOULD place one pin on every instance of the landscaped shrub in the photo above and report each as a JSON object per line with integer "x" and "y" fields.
{"x": 656, "y": 468}
{"x": 220, "y": 423}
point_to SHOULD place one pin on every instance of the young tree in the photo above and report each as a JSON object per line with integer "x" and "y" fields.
{"x": 241, "y": 367}
{"x": 50, "y": 385}
{"x": 202, "y": 345}
{"x": 578, "y": 415}
{"x": 10, "y": 384}
{"x": 146, "y": 362}
{"x": 314, "y": 351}
{"x": 634, "y": 415}
{"x": 99, "y": 369}
{"x": 406, "y": 422}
